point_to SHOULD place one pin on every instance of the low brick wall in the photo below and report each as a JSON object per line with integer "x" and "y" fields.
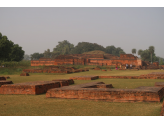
{"x": 159, "y": 84}
{"x": 84, "y": 77}
{"x": 89, "y": 91}
{"x": 69, "y": 81}
{"x": 37, "y": 87}
{"x": 131, "y": 77}
{"x": 4, "y": 82}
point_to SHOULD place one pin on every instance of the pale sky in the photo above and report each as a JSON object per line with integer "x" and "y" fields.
{"x": 39, "y": 29}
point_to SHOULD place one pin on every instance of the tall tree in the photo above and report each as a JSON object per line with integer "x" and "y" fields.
{"x": 140, "y": 52}
{"x": 151, "y": 50}
{"x": 134, "y": 51}
{"x": 16, "y": 53}
{"x": 10, "y": 51}
{"x": 63, "y": 48}
{"x": 145, "y": 55}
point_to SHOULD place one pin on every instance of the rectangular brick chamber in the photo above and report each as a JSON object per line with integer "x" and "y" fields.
{"x": 37, "y": 87}
{"x": 91, "y": 91}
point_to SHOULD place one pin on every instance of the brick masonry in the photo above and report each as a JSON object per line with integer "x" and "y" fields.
{"x": 91, "y": 91}
{"x": 84, "y": 77}
{"x": 89, "y": 59}
{"x": 4, "y": 82}
{"x": 55, "y": 69}
{"x": 2, "y": 78}
{"x": 37, "y": 87}
{"x": 69, "y": 81}
{"x": 159, "y": 84}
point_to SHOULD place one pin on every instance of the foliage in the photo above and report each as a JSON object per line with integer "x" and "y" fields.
{"x": 145, "y": 55}
{"x": 140, "y": 52}
{"x": 113, "y": 50}
{"x": 86, "y": 47}
{"x": 16, "y": 64}
{"x": 134, "y": 51}
{"x": 63, "y": 48}
{"x": 148, "y": 55}
{"x": 36, "y": 56}
{"x": 151, "y": 50}
{"x": 10, "y": 51}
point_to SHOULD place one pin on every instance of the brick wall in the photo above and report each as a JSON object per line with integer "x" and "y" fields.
{"x": 91, "y": 91}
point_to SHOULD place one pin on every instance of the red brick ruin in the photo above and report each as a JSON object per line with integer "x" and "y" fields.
{"x": 96, "y": 59}
{"x": 55, "y": 69}
{"x": 38, "y": 87}
{"x": 101, "y": 91}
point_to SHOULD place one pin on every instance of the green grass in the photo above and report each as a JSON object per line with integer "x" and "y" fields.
{"x": 39, "y": 105}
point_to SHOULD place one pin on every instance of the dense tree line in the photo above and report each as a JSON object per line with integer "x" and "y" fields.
{"x": 65, "y": 47}
{"x": 148, "y": 54}
{"x": 9, "y": 51}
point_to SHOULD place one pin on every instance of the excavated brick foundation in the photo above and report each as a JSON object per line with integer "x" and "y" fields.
{"x": 84, "y": 77}
{"x": 159, "y": 84}
{"x": 37, "y": 87}
{"x": 69, "y": 81}
{"x": 4, "y": 82}
{"x": 92, "y": 91}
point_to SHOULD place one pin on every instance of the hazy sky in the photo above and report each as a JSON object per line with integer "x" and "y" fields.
{"x": 37, "y": 29}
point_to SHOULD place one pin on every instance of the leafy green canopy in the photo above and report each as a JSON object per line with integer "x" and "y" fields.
{"x": 148, "y": 54}
{"x": 113, "y": 50}
{"x": 86, "y": 47}
{"x": 10, "y": 51}
{"x": 134, "y": 51}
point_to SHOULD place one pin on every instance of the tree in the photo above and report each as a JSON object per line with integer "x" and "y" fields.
{"x": 36, "y": 56}
{"x": 86, "y": 47}
{"x": 63, "y": 48}
{"x": 151, "y": 50}
{"x": 10, "y": 51}
{"x": 121, "y": 52}
{"x": 145, "y": 55}
{"x": 47, "y": 54}
{"x": 113, "y": 50}
{"x": 109, "y": 49}
{"x": 140, "y": 52}
{"x": 16, "y": 53}
{"x": 134, "y": 51}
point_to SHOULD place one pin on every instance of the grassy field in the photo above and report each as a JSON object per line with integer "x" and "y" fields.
{"x": 39, "y": 105}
